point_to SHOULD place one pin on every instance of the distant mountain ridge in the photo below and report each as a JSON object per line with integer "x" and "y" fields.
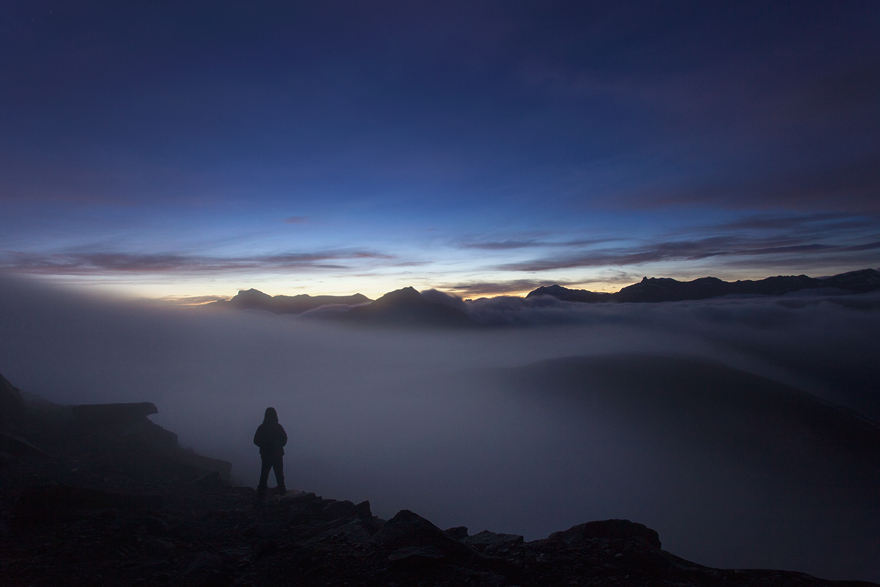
{"x": 254, "y": 299}
{"x": 402, "y": 307}
{"x": 665, "y": 289}
{"x": 407, "y": 307}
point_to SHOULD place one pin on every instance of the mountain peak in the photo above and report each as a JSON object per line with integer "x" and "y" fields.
{"x": 666, "y": 289}
{"x": 406, "y": 295}
{"x": 254, "y": 299}
{"x": 251, "y": 294}
{"x": 570, "y": 295}
{"x": 408, "y": 307}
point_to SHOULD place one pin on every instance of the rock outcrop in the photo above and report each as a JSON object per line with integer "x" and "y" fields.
{"x": 100, "y": 445}
{"x": 214, "y": 535}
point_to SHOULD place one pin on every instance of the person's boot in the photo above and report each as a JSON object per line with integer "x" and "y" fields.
{"x": 282, "y": 490}
{"x": 261, "y": 493}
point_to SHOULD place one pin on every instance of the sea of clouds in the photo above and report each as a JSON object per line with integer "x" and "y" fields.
{"x": 410, "y": 419}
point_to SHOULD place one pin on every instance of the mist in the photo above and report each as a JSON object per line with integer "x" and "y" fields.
{"x": 473, "y": 428}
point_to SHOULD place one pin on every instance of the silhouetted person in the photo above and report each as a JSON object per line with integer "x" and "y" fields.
{"x": 271, "y": 438}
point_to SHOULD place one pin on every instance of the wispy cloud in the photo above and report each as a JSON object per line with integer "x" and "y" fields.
{"x": 864, "y": 247}
{"x": 494, "y": 288}
{"x": 513, "y": 244}
{"x": 296, "y": 219}
{"x": 798, "y": 222}
{"x": 851, "y": 187}
{"x": 193, "y": 300}
{"x": 791, "y": 249}
{"x": 501, "y": 245}
{"x": 83, "y": 263}
{"x": 688, "y": 250}
{"x": 624, "y": 256}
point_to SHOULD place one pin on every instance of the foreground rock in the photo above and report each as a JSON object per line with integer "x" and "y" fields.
{"x": 113, "y": 447}
{"x": 212, "y": 534}
{"x": 109, "y": 498}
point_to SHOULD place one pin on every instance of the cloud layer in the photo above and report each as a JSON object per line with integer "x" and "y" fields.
{"x": 419, "y": 420}
{"x": 109, "y": 263}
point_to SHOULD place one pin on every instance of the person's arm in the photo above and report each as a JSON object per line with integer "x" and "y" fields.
{"x": 258, "y": 437}
{"x": 283, "y": 435}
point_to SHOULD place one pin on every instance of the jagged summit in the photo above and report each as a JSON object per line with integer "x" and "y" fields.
{"x": 404, "y": 296}
{"x": 861, "y": 280}
{"x": 402, "y": 307}
{"x": 665, "y": 289}
{"x": 407, "y": 307}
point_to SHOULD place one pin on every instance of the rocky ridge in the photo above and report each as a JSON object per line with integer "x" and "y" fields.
{"x": 92, "y": 496}
{"x": 408, "y": 307}
{"x": 664, "y": 289}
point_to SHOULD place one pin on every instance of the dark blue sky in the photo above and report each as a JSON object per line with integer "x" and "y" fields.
{"x": 186, "y": 149}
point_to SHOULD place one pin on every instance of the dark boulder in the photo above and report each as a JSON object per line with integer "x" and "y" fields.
{"x": 339, "y": 510}
{"x": 408, "y": 530}
{"x": 458, "y": 533}
{"x": 299, "y": 499}
{"x": 363, "y": 510}
{"x": 609, "y": 529}
{"x": 492, "y": 542}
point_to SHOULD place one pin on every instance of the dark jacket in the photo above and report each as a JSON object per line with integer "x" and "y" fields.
{"x": 270, "y": 437}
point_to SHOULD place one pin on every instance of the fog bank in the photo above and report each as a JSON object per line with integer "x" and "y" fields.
{"x": 432, "y": 420}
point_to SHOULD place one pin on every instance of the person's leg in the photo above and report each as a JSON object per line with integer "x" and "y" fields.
{"x": 264, "y": 477}
{"x": 279, "y": 474}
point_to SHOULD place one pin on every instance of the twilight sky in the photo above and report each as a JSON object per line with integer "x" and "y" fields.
{"x": 192, "y": 149}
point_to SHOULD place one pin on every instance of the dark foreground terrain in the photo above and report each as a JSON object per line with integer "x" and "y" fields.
{"x": 99, "y": 495}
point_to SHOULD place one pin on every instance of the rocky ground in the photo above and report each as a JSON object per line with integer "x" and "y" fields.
{"x": 102, "y": 496}
{"x": 213, "y": 534}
